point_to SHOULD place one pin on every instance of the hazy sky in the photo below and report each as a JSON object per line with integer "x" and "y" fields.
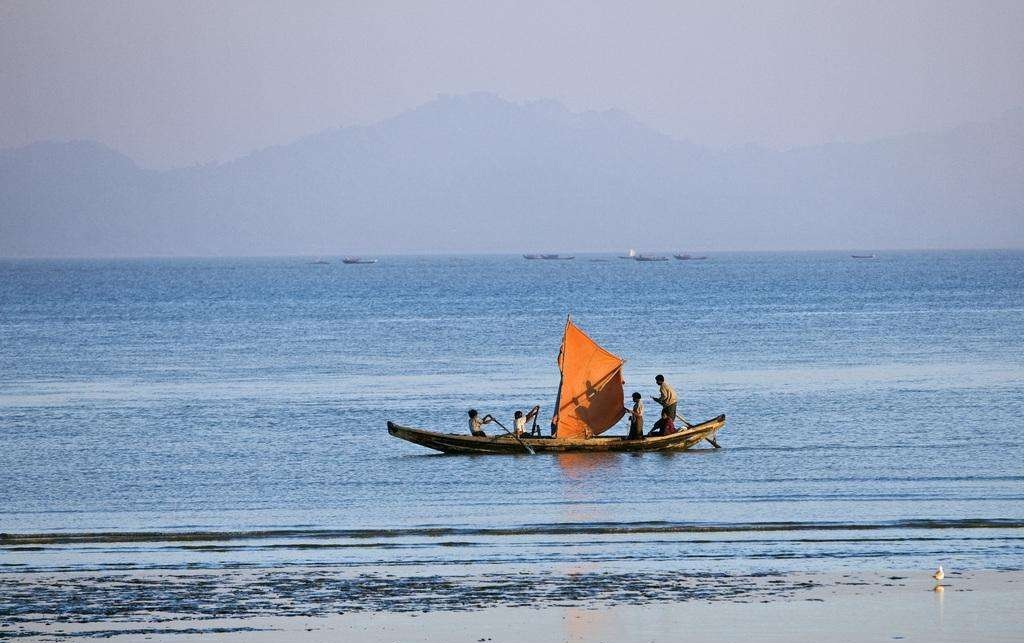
{"x": 173, "y": 83}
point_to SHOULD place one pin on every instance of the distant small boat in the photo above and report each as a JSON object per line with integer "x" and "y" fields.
{"x": 320, "y": 262}
{"x": 650, "y": 258}
{"x": 629, "y": 255}
{"x": 686, "y": 257}
{"x": 357, "y": 260}
{"x": 863, "y": 256}
{"x": 550, "y": 257}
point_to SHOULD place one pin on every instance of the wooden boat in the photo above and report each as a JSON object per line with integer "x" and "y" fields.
{"x": 650, "y": 258}
{"x": 505, "y": 444}
{"x": 549, "y": 257}
{"x": 357, "y": 260}
{"x": 686, "y": 257}
{"x": 863, "y": 256}
{"x": 629, "y": 255}
{"x": 590, "y": 401}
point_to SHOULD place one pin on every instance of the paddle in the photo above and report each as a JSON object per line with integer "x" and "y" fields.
{"x": 709, "y": 439}
{"x": 525, "y": 445}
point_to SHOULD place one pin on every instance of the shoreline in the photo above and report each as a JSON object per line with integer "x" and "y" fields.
{"x": 277, "y": 605}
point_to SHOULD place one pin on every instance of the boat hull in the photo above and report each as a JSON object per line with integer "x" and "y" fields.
{"x": 504, "y": 444}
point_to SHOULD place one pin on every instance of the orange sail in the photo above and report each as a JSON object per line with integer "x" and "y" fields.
{"x": 590, "y": 393}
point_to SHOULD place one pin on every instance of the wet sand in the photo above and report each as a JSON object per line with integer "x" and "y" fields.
{"x": 288, "y": 605}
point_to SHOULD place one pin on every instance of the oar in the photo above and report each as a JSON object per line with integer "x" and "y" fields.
{"x": 525, "y": 445}
{"x": 709, "y": 439}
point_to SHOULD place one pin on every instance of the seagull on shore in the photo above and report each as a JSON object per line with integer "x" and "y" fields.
{"x": 939, "y": 575}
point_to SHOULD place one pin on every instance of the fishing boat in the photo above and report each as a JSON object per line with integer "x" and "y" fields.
{"x": 863, "y": 256}
{"x": 505, "y": 444}
{"x": 650, "y": 258}
{"x": 629, "y": 255}
{"x": 549, "y": 257}
{"x": 686, "y": 257}
{"x": 590, "y": 401}
{"x": 357, "y": 260}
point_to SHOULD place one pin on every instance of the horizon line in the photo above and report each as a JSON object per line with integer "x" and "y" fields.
{"x": 368, "y": 254}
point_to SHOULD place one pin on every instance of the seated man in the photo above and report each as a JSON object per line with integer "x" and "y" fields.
{"x": 476, "y": 423}
{"x": 519, "y": 420}
{"x": 664, "y": 426}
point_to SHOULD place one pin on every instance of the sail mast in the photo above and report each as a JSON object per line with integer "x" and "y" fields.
{"x": 561, "y": 377}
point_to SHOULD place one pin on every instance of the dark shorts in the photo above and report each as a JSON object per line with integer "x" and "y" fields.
{"x": 671, "y": 408}
{"x": 478, "y": 434}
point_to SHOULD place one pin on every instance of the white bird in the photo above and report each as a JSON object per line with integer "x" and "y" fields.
{"x": 939, "y": 575}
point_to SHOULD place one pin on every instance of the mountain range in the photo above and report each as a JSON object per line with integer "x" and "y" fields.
{"x": 476, "y": 173}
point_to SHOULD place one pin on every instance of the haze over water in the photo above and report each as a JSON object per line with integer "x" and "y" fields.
{"x": 873, "y": 404}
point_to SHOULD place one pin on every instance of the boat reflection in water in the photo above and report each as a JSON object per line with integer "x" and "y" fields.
{"x": 580, "y": 466}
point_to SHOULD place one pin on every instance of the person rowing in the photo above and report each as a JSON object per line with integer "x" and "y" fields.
{"x": 476, "y": 423}
{"x": 519, "y": 420}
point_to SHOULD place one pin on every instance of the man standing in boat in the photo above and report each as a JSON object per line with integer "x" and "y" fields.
{"x": 667, "y": 399}
{"x": 636, "y": 418}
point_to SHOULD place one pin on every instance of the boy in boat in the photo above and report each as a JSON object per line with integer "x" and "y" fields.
{"x": 476, "y": 423}
{"x": 664, "y": 426}
{"x": 636, "y": 418}
{"x": 519, "y": 420}
{"x": 667, "y": 399}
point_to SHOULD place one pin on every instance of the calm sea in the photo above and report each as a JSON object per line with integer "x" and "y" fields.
{"x": 874, "y": 412}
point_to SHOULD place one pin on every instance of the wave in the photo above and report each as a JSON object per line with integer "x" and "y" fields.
{"x": 567, "y": 529}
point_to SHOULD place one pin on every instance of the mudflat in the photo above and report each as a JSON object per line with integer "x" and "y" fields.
{"x": 291, "y": 604}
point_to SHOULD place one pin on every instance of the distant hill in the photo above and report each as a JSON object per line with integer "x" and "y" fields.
{"x": 476, "y": 173}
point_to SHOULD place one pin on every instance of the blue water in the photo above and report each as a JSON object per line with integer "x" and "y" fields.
{"x": 875, "y": 404}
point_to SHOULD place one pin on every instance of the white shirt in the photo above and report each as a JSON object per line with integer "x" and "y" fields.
{"x": 475, "y": 425}
{"x": 519, "y": 425}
